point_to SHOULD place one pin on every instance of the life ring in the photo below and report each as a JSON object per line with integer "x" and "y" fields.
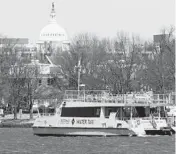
{"x": 138, "y": 122}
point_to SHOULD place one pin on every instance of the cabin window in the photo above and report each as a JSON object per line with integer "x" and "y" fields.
{"x": 81, "y": 112}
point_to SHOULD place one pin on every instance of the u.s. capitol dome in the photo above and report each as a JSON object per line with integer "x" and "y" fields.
{"x": 53, "y": 33}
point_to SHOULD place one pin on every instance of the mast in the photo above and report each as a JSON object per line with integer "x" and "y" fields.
{"x": 79, "y": 72}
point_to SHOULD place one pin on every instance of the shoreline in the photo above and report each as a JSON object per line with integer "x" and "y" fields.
{"x": 22, "y": 121}
{"x": 19, "y": 123}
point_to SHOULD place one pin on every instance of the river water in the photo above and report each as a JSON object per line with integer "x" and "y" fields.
{"x": 22, "y": 141}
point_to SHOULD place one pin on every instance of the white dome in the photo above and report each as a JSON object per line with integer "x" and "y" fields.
{"x": 53, "y": 32}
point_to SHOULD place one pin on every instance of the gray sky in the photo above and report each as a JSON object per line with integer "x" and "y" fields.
{"x": 25, "y": 18}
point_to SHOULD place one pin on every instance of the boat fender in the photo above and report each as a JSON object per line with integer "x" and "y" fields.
{"x": 138, "y": 122}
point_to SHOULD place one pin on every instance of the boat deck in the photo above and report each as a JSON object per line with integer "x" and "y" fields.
{"x": 101, "y": 96}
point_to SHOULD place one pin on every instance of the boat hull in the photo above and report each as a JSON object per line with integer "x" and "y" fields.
{"x": 68, "y": 131}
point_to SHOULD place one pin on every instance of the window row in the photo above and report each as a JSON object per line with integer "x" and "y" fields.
{"x": 49, "y": 81}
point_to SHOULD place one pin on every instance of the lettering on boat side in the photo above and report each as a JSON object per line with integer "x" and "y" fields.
{"x": 77, "y": 121}
{"x": 85, "y": 121}
{"x": 65, "y": 121}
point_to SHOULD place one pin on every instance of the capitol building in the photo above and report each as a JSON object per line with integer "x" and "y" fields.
{"x": 53, "y": 35}
{"x": 52, "y": 39}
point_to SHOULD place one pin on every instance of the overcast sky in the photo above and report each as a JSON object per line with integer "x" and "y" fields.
{"x": 25, "y": 18}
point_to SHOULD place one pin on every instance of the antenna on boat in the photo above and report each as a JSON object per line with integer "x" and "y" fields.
{"x": 79, "y": 71}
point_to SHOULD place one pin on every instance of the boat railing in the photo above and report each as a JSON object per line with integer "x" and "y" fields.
{"x": 143, "y": 118}
{"x": 150, "y": 118}
{"x": 106, "y": 97}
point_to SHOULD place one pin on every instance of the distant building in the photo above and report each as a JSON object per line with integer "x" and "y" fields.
{"x": 16, "y": 41}
{"x": 19, "y": 46}
{"x": 158, "y": 39}
{"x": 53, "y": 35}
{"x": 52, "y": 38}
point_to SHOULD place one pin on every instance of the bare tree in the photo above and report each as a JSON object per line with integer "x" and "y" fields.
{"x": 159, "y": 70}
{"x": 124, "y": 62}
{"x": 12, "y": 84}
{"x": 16, "y": 84}
{"x": 31, "y": 84}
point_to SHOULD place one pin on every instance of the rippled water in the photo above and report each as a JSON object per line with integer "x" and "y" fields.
{"x": 22, "y": 141}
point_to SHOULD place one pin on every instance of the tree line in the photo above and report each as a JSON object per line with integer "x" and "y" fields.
{"x": 123, "y": 64}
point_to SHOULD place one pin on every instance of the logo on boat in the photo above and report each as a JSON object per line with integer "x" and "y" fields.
{"x": 73, "y": 121}
{"x": 64, "y": 121}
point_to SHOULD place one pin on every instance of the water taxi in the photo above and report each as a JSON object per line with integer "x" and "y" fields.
{"x": 98, "y": 113}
